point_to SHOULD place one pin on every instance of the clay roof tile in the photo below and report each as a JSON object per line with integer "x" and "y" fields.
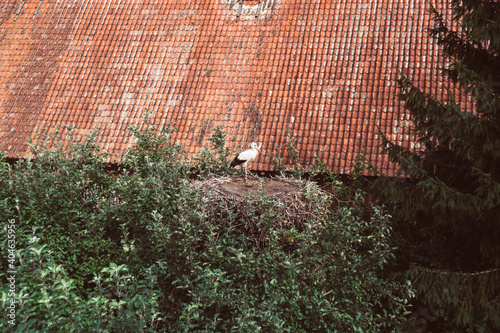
{"x": 323, "y": 70}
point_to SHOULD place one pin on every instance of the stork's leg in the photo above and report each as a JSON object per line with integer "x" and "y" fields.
{"x": 248, "y": 165}
{"x": 246, "y": 179}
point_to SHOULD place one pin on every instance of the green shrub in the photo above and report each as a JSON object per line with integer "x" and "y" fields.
{"x": 243, "y": 267}
{"x": 214, "y": 160}
{"x": 228, "y": 272}
{"x": 151, "y": 178}
{"x": 47, "y": 300}
{"x": 62, "y": 192}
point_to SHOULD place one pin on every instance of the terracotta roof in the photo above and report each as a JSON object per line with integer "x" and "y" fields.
{"x": 324, "y": 69}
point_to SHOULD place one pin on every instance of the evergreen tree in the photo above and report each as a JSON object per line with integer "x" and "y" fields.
{"x": 450, "y": 189}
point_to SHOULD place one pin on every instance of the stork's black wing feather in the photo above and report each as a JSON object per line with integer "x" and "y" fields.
{"x": 236, "y": 162}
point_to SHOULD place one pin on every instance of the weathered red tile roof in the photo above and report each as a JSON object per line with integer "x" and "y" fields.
{"x": 324, "y": 69}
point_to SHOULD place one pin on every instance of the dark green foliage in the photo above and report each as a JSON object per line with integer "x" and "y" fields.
{"x": 142, "y": 249}
{"x": 150, "y": 180}
{"x": 231, "y": 271}
{"x": 463, "y": 299}
{"x": 286, "y": 161}
{"x": 48, "y": 301}
{"x": 214, "y": 160}
{"x": 452, "y": 189}
{"x": 62, "y": 194}
{"x": 154, "y": 152}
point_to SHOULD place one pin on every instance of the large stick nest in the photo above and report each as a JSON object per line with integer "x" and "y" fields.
{"x": 289, "y": 203}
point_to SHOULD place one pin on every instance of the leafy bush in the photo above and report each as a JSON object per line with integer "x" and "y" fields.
{"x": 228, "y": 272}
{"x": 47, "y": 300}
{"x": 62, "y": 193}
{"x": 151, "y": 178}
{"x": 172, "y": 259}
{"x": 213, "y": 160}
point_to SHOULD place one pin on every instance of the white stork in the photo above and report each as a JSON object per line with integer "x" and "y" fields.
{"x": 246, "y": 157}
